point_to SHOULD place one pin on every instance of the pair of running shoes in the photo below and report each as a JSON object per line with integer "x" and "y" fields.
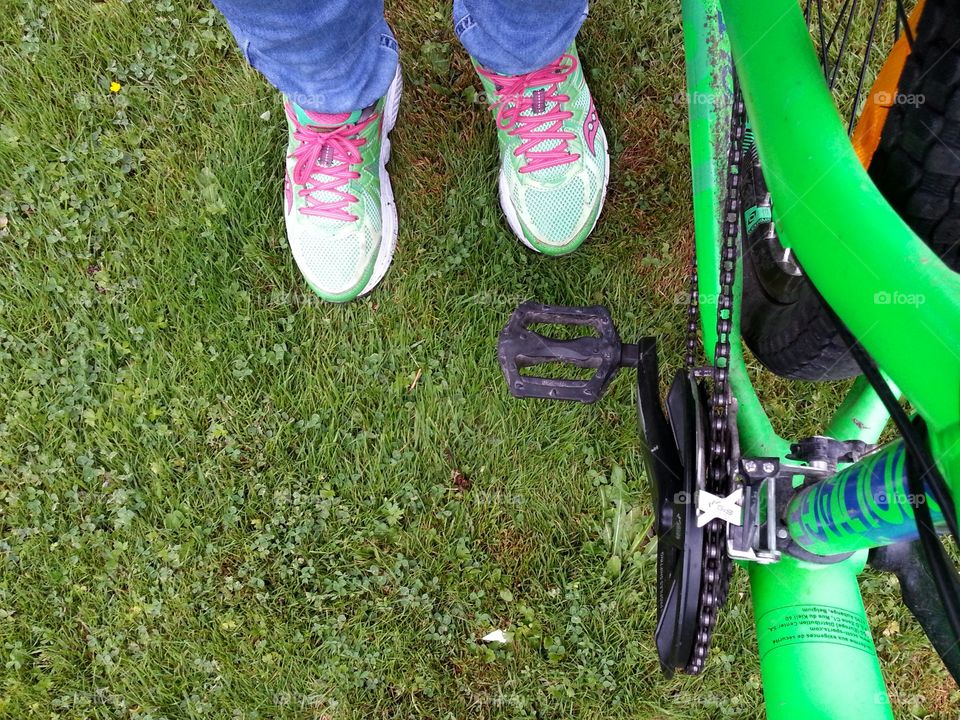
{"x": 340, "y": 213}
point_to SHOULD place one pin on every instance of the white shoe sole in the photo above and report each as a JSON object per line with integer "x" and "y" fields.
{"x": 388, "y": 207}
{"x": 514, "y": 222}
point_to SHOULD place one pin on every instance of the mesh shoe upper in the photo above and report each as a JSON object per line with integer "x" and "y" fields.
{"x": 332, "y": 197}
{"x": 553, "y": 153}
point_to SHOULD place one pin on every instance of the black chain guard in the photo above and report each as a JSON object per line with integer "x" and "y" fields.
{"x": 692, "y": 567}
{"x": 679, "y": 540}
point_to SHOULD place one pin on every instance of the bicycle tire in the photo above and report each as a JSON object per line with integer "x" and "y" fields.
{"x": 916, "y": 166}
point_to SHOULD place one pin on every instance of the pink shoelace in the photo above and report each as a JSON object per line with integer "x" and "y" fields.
{"x": 547, "y": 108}
{"x": 329, "y": 152}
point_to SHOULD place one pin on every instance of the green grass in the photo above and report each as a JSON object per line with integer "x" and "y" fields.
{"x": 222, "y": 498}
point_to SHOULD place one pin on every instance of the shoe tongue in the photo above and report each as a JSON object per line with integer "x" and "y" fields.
{"x": 333, "y": 120}
{"x": 326, "y": 120}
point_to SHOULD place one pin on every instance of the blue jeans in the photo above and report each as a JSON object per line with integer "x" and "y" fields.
{"x": 335, "y": 56}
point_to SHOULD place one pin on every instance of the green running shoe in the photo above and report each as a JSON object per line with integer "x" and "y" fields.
{"x": 338, "y": 202}
{"x": 554, "y": 164}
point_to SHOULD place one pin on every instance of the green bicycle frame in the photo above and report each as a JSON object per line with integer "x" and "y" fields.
{"x": 816, "y": 654}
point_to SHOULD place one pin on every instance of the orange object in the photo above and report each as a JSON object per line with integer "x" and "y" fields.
{"x": 883, "y": 95}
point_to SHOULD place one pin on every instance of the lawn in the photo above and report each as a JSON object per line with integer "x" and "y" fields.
{"x": 222, "y": 498}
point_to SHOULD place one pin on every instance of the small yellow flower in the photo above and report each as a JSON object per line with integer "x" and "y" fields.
{"x": 114, "y": 87}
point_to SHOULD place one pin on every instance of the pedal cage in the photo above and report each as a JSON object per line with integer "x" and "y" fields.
{"x": 520, "y": 347}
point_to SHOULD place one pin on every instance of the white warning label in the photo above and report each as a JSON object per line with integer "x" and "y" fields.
{"x": 813, "y": 624}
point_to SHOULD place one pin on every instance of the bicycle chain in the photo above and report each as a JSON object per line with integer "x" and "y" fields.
{"x": 717, "y": 567}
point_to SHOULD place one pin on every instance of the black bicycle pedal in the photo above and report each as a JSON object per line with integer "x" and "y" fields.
{"x": 519, "y": 347}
